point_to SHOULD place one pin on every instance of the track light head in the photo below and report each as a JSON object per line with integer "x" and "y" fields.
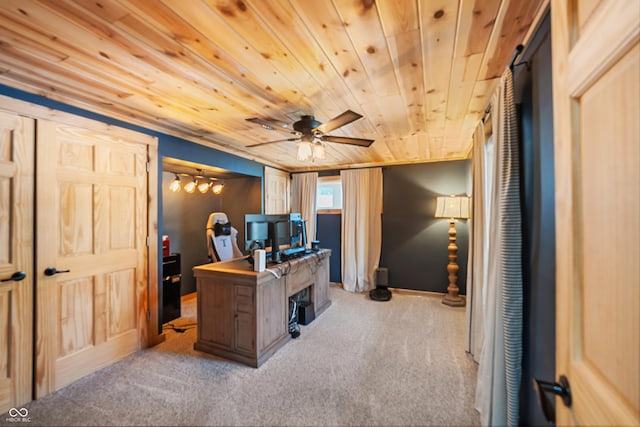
{"x": 190, "y": 187}
{"x": 175, "y": 185}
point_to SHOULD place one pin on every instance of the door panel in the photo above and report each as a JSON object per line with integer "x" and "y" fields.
{"x": 322, "y": 284}
{"x": 277, "y": 190}
{"x": 91, "y": 221}
{"x": 76, "y": 315}
{"x": 76, "y": 223}
{"x": 596, "y": 66}
{"x": 244, "y": 307}
{"x": 122, "y": 304}
{"x": 214, "y": 309}
{"x": 610, "y": 185}
{"x": 16, "y": 254}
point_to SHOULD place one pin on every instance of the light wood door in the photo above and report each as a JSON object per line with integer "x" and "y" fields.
{"x": 596, "y": 85}
{"x": 277, "y": 190}
{"x": 16, "y": 255}
{"x": 91, "y": 227}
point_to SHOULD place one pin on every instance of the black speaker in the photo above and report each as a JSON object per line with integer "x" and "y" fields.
{"x": 306, "y": 313}
{"x": 382, "y": 277}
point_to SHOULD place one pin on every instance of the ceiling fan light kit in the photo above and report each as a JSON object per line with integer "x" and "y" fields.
{"x": 310, "y": 150}
{"x": 304, "y": 150}
{"x": 311, "y": 134}
{"x": 318, "y": 150}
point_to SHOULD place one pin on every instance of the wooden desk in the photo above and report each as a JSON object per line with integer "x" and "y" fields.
{"x": 243, "y": 315}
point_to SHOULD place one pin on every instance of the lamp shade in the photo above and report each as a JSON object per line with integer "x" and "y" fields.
{"x": 304, "y": 150}
{"x": 318, "y": 150}
{"x": 452, "y": 207}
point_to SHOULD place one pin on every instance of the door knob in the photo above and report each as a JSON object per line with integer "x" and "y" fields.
{"x": 50, "y": 271}
{"x": 16, "y": 277}
{"x": 561, "y": 389}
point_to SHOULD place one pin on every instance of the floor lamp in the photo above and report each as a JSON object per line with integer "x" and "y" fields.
{"x": 452, "y": 207}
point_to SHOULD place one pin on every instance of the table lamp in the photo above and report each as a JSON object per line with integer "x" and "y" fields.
{"x": 452, "y": 207}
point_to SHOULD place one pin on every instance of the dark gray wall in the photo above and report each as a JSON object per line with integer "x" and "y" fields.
{"x": 329, "y": 227}
{"x": 185, "y": 215}
{"x": 241, "y": 196}
{"x": 538, "y": 198}
{"x": 414, "y": 243}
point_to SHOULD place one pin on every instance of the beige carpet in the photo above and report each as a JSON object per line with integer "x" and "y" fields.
{"x": 362, "y": 362}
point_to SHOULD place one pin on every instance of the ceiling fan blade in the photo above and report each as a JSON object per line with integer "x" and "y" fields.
{"x": 338, "y": 121}
{"x": 273, "y": 125}
{"x": 347, "y": 140}
{"x": 272, "y": 142}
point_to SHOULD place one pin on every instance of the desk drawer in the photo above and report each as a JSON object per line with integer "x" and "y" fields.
{"x": 298, "y": 280}
{"x": 244, "y": 299}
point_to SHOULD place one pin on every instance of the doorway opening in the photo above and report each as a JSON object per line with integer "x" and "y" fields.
{"x": 184, "y": 214}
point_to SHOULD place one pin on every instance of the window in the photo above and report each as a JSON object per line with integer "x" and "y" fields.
{"x": 329, "y": 195}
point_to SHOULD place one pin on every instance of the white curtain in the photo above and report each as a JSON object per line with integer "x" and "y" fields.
{"x": 478, "y": 257}
{"x": 361, "y": 227}
{"x": 304, "y": 187}
{"x": 499, "y": 371}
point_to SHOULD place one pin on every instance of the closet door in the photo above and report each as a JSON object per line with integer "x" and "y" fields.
{"x": 596, "y": 90}
{"x": 91, "y": 250}
{"x": 277, "y": 190}
{"x": 16, "y": 259}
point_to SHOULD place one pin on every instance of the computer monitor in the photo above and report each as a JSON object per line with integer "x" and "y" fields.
{"x": 282, "y": 235}
{"x": 279, "y": 236}
{"x": 279, "y": 233}
{"x": 256, "y": 231}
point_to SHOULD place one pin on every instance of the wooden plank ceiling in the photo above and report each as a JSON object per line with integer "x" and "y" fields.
{"x": 421, "y": 72}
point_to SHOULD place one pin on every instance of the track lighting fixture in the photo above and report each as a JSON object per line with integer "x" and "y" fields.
{"x": 200, "y": 182}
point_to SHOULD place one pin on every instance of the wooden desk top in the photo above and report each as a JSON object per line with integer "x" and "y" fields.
{"x": 240, "y": 267}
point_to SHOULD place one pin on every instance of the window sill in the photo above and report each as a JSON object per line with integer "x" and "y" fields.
{"x": 329, "y": 212}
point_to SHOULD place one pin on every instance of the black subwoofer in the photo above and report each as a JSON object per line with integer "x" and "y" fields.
{"x": 306, "y": 313}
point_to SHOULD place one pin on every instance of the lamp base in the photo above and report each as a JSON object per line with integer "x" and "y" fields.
{"x": 453, "y": 301}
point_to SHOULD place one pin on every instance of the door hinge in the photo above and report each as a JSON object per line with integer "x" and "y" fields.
{"x": 148, "y": 315}
{"x": 148, "y": 241}
{"x": 148, "y": 167}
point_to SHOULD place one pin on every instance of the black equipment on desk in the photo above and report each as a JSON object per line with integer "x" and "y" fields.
{"x": 171, "y": 283}
{"x": 284, "y": 236}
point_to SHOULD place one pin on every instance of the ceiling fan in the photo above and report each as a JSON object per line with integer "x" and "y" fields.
{"x": 309, "y": 130}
